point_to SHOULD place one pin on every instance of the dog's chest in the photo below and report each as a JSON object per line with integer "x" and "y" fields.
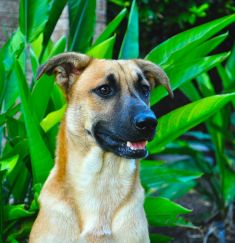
{"x": 102, "y": 186}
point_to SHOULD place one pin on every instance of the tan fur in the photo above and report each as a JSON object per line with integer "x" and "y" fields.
{"x": 91, "y": 195}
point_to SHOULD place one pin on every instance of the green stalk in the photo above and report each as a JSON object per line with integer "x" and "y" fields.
{"x": 1, "y": 208}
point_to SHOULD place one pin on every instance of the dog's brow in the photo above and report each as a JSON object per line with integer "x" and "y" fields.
{"x": 139, "y": 78}
{"x": 111, "y": 79}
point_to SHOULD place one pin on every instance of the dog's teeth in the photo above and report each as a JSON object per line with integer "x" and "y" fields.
{"x": 136, "y": 145}
{"x": 128, "y": 144}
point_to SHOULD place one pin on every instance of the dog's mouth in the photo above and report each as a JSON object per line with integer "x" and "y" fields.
{"x": 128, "y": 149}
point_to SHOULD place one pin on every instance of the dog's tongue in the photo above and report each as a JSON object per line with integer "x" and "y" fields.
{"x": 137, "y": 145}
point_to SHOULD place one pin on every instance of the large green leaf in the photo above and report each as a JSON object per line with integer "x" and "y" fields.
{"x": 13, "y": 47}
{"x": 33, "y": 17}
{"x": 58, "y": 47}
{"x": 111, "y": 27}
{"x": 82, "y": 17}
{"x": 181, "y": 73}
{"x": 228, "y": 184}
{"x": 176, "y": 190}
{"x": 55, "y": 12}
{"x": 9, "y": 164}
{"x": 9, "y": 91}
{"x": 14, "y": 212}
{"x": 230, "y": 65}
{"x": 205, "y": 85}
{"x": 188, "y": 40}
{"x": 41, "y": 94}
{"x": 58, "y": 97}
{"x": 52, "y": 119}
{"x": 163, "y": 212}
{"x": 177, "y": 122}
{"x": 130, "y": 44}
{"x": 1, "y": 206}
{"x": 18, "y": 181}
{"x": 160, "y": 238}
{"x": 40, "y": 156}
{"x": 104, "y": 49}
{"x": 190, "y": 91}
{"x": 227, "y": 176}
{"x": 225, "y": 76}
{"x": 153, "y": 175}
{"x": 205, "y": 48}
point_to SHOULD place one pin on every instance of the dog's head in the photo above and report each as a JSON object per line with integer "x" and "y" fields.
{"x": 108, "y": 100}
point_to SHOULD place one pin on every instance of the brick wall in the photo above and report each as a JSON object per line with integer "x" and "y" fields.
{"x": 9, "y": 19}
{"x": 101, "y": 8}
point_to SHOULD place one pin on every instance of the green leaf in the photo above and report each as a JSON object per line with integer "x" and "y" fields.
{"x": 21, "y": 148}
{"x": 206, "y": 47}
{"x": 163, "y": 212}
{"x": 111, "y": 27}
{"x": 82, "y": 17}
{"x": 21, "y": 232}
{"x": 190, "y": 91}
{"x": 121, "y": 3}
{"x": 1, "y": 204}
{"x": 13, "y": 47}
{"x": 177, "y": 122}
{"x": 34, "y": 62}
{"x": 181, "y": 73}
{"x": 55, "y": 12}
{"x": 10, "y": 92}
{"x": 59, "y": 47}
{"x": 58, "y": 97}
{"x": 176, "y": 190}
{"x": 33, "y": 17}
{"x": 35, "y": 204}
{"x": 52, "y": 119}
{"x": 130, "y": 44}
{"x": 36, "y": 45}
{"x": 224, "y": 75}
{"x": 40, "y": 156}
{"x": 16, "y": 212}
{"x": 205, "y": 85}
{"x": 104, "y": 49}
{"x": 41, "y": 94}
{"x": 188, "y": 40}
{"x": 230, "y": 65}
{"x": 228, "y": 183}
{"x": 196, "y": 52}
{"x": 9, "y": 164}
{"x": 159, "y": 238}
{"x": 153, "y": 176}
{"x": 18, "y": 181}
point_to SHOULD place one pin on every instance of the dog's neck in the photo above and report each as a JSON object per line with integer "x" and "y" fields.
{"x": 99, "y": 181}
{"x": 74, "y": 152}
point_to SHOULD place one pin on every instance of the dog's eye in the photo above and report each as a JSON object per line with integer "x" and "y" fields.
{"x": 104, "y": 90}
{"x": 145, "y": 90}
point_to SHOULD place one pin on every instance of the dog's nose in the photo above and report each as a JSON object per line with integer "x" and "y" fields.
{"x": 145, "y": 121}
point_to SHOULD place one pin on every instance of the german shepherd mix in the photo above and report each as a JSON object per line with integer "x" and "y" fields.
{"x": 93, "y": 193}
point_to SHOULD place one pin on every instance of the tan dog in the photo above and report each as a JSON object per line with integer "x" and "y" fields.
{"x": 93, "y": 193}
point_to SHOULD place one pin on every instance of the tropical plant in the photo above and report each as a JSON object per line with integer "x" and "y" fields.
{"x": 31, "y": 110}
{"x": 166, "y": 18}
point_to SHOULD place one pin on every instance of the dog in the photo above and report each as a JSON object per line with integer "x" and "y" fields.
{"x": 93, "y": 193}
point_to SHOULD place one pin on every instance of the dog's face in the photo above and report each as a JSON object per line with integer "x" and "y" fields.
{"x": 108, "y": 100}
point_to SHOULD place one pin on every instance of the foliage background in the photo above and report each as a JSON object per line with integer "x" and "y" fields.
{"x": 31, "y": 110}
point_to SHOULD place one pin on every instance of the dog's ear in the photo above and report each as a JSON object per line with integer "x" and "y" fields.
{"x": 66, "y": 67}
{"x": 154, "y": 74}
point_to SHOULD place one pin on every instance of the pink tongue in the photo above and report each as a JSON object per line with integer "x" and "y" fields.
{"x": 137, "y": 145}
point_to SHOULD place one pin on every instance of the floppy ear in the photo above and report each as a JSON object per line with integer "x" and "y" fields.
{"x": 66, "y": 67}
{"x": 154, "y": 74}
